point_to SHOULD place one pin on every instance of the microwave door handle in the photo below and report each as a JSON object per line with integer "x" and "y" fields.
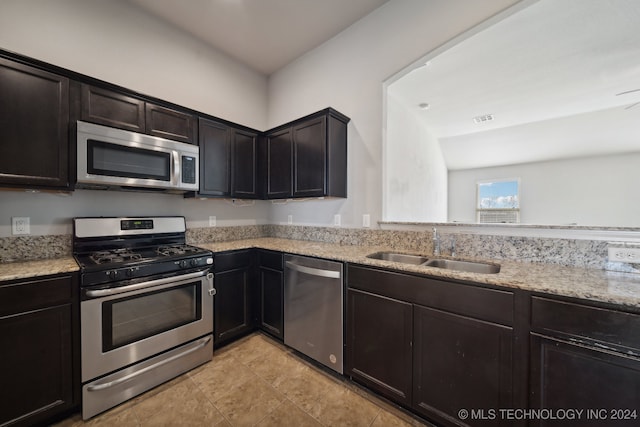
{"x": 175, "y": 170}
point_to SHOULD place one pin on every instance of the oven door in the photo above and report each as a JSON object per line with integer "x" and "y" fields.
{"x": 124, "y": 325}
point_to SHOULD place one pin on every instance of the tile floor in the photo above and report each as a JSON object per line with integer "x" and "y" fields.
{"x": 255, "y": 381}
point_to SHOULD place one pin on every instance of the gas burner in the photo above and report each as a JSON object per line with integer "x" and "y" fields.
{"x": 175, "y": 250}
{"x": 114, "y": 255}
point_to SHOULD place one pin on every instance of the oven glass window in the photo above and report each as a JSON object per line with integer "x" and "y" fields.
{"x": 128, "y": 162}
{"x": 134, "y": 318}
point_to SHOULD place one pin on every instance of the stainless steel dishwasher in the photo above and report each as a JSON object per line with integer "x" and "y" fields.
{"x": 313, "y": 295}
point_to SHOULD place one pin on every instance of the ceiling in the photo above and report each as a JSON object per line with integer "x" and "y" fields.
{"x": 560, "y": 78}
{"x": 266, "y": 35}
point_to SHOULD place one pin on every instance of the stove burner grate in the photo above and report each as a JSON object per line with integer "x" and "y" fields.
{"x": 175, "y": 250}
{"x": 114, "y": 255}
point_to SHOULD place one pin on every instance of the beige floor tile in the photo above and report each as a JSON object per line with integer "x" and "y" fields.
{"x": 310, "y": 390}
{"x": 277, "y": 367}
{"x": 222, "y": 378}
{"x": 179, "y": 402}
{"x": 249, "y": 403}
{"x": 253, "y": 382}
{"x": 387, "y": 419}
{"x": 252, "y": 348}
{"x": 288, "y": 414}
{"x": 348, "y": 409}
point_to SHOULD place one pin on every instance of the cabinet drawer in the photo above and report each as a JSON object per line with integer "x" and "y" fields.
{"x": 483, "y": 303}
{"x": 270, "y": 259}
{"x": 582, "y": 322}
{"x": 232, "y": 260}
{"x": 32, "y": 295}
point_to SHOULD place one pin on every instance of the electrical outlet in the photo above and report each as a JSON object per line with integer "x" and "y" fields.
{"x": 289, "y": 219}
{"x": 366, "y": 220}
{"x": 336, "y": 220}
{"x": 20, "y": 225}
{"x": 631, "y": 255}
{"x": 212, "y": 221}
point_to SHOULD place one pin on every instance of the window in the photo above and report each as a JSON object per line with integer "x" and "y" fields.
{"x": 498, "y": 201}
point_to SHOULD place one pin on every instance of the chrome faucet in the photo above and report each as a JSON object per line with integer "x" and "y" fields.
{"x": 436, "y": 242}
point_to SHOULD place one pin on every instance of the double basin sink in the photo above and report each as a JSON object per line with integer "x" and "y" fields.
{"x": 448, "y": 264}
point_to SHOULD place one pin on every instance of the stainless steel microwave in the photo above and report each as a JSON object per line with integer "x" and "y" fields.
{"x": 112, "y": 158}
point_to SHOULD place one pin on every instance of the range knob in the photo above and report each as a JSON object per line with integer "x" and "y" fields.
{"x": 129, "y": 272}
{"x": 183, "y": 263}
{"x": 112, "y": 274}
{"x": 194, "y": 262}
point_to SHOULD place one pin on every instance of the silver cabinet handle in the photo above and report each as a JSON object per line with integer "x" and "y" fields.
{"x": 94, "y": 293}
{"x": 197, "y": 346}
{"x": 313, "y": 271}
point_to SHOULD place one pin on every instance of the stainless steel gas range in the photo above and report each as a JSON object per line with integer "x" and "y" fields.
{"x": 146, "y": 306}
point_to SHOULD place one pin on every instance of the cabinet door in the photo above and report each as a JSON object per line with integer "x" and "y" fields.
{"x": 245, "y": 163}
{"x": 278, "y": 164}
{"x": 570, "y": 376}
{"x": 460, "y": 363}
{"x": 232, "y": 304}
{"x": 379, "y": 334}
{"x": 110, "y": 108}
{"x": 309, "y": 158}
{"x": 215, "y": 158}
{"x": 271, "y": 301}
{"x": 234, "y": 301}
{"x": 34, "y": 127}
{"x": 171, "y": 124}
{"x": 35, "y": 365}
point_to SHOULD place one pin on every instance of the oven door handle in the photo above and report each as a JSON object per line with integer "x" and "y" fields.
{"x": 197, "y": 346}
{"x": 96, "y": 293}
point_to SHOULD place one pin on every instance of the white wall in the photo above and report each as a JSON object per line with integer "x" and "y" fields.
{"x": 416, "y": 188}
{"x": 347, "y": 73}
{"x": 602, "y": 191}
{"x": 114, "y": 41}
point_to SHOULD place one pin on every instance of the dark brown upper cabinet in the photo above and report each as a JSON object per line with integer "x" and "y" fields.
{"x": 120, "y": 110}
{"x": 228, "y": 160}
{"x": 307, "y": 157}
{"x": 34, "y": 127}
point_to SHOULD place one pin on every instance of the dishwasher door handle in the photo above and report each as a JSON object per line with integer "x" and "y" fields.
{"x": 313, "y": 271}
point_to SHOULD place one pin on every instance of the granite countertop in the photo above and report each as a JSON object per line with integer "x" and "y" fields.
{"x": 590, "y": 284}
{"x": 28, "y": 269}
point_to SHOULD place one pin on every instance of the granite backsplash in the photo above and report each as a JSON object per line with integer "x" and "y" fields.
{"x": 567, "y": 252}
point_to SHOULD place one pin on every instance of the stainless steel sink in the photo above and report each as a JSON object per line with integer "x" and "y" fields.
{"x": 399, "y": 257}
{"x": 468, "y": 266}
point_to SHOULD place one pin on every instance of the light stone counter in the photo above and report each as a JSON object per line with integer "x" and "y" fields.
{"x": 31, "y": 269}
{"x": 585, "y": 283}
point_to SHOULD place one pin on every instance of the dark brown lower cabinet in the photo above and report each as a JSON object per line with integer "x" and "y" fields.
{"x": 603, "y": 385}
{"x": 271, "y": 281}
{"x": 433, "y": 346}
{"x": 38, "y": 358}
{"x": 380, "y": 332}
{"x": 461, "y": 363}
{"x": 233, "y": 303}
